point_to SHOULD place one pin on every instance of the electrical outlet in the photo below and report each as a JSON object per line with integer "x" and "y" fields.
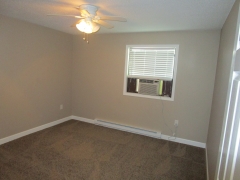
{"x": 176, "y": 123}
{"x": 61, "y": 106}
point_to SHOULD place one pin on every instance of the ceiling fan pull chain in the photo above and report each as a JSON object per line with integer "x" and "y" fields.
{"x": 84, "y": 37}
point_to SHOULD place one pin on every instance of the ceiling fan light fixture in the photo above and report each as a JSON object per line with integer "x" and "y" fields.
{"x": 87, "y": 26}
{"x": 95, "y": 27}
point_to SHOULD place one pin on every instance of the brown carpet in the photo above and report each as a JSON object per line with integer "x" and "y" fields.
{"x": 79, "y": 151}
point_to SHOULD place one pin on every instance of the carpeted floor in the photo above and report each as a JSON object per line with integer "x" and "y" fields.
{"x": 79, "y": 151}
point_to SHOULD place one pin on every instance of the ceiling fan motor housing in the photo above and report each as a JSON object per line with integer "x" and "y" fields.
{"x": 89, "y": 8}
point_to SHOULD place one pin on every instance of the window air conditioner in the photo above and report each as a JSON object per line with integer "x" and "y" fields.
{"x": 149, "y": 87}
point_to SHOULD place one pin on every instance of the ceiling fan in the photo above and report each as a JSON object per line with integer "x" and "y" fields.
{"x": 89, "y": 21}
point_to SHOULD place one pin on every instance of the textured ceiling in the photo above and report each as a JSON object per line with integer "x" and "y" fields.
{"x": 141, "y": 15}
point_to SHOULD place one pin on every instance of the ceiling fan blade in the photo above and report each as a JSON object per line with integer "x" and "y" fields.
{"x": 113, "y": 18}
{"x": 74, "y": 25}
{"x": 84, "y": 12}
{"x": 105, "y": 24}
{"x": 79, "y": 17}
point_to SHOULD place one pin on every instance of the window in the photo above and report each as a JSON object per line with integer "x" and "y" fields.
{"x": 150, "y": 71}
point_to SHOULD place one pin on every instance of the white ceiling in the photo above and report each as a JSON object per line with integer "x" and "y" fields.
{"x": 141, "y": 15}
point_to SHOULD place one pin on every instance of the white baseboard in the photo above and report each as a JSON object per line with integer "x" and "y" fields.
{"x": 143, "y": 132}
{"x": 207, "y": 163}
{"x": 184, "y": 141}
{"x": 33, "y": 130}
{"x": 83, "y": 119}
{"x": 128, "y": 129}
{"x": 110, "y": 125}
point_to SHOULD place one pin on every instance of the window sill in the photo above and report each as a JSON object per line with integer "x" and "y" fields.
{"x": 148, "y": 96}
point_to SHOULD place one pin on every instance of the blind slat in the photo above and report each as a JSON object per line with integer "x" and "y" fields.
{"x": 157, "y": 62}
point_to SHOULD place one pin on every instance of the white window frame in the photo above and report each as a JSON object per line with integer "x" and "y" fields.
{"x": 176, "y": 46}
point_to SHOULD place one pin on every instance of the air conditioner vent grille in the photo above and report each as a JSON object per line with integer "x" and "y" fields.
{"x": 148, "y": 88}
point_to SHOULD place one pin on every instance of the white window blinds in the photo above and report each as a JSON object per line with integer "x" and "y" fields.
{"x": 151, "y": 62}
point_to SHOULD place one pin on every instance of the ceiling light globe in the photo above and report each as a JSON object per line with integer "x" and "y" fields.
{"x": 95, "y": 27}
{"x": 87, "y": 26}
{"x": 81, "y": 26}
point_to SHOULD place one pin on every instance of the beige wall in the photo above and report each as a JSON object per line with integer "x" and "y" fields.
{"x": 35, "y": 75}
{"x": 98, "y": 71}
{"x": 221, "y": 87}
